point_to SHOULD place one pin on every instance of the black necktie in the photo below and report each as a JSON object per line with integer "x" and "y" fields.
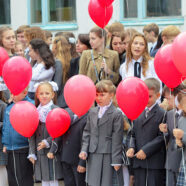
{"x": 137, "y": 69}
{"x": 177, "y": 115}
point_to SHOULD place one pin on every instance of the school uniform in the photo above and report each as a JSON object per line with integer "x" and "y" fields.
{"x": 19, "y": 168}
{"x": 91, "y": 62}
{"x": 102, "y": 141}
{"x": 173, "y": 154}
{"x": 45, "y": 168}
{"x": 153, "y": 49}
{"x": 181, "y": 180}
{"x": 58, "y": 76}
{"x": 150, "y": 73}
{"x": 146, "y": 136}
{"x": 74, "y": 67}
{"x": 71, "y": 146}
{"x": 39, "y": 74}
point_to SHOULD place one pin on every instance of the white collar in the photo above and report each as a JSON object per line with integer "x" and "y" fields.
{"x": 150, "y": 108}
{"x": 139, "y": 60}
{"x": 103, "y": 109}
{"x": 45, "y": 106}
{"x": 106, "y": 106}
{"x": 154, "y": 44}
{"x": 44, "y": 110}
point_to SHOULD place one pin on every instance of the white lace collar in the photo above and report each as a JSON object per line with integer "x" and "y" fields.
{"x": 44, "y": 110}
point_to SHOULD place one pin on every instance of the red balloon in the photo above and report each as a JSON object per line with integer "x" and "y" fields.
{"x": 17, "y": 73}
{"x": 165, "y": 68}
{"x": 3, "y": 58}
{"x": 24, "y": 118}
{"x": 79, "y": 93}
{"x": 105, "y": 3}
{"x": 179, "y": 53}
{"x": 57, "y": 122}
{"x": 132, "y": 96}
{"x": 100, "y": 15}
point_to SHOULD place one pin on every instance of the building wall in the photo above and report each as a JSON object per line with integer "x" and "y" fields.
{"x": 20, "y": 16}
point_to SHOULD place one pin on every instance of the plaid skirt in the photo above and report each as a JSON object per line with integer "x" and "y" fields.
{"x": 181, "y": 180}
{"x": 3, "y": 158}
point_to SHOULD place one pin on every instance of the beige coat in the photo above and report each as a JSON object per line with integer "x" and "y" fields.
{"x": 112, "y": 61}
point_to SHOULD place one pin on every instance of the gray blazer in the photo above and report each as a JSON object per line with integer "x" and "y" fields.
{"x": 173, "y": 154}
{"x": 104, "y": 136}
{"x": 44, "y": 166}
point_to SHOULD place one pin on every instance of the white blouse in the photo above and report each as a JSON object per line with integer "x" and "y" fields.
{"x": 150, "y": 73}
{"x": 40, "y": 73}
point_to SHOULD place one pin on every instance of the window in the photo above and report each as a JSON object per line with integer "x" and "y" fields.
{"x": 36, "y": 14}
{"x": 158, "y": 8}
{"x": 141, "y": 12}
{"x": 130, "y": 8}
{"x": 51, "y": 11}
{"x": 62, "y": 10}
{"x": 5, "y": 12}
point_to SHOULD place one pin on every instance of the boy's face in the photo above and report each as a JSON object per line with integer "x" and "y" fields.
{"x": 168, "y": 40}
{"x": 153, "y": 96}
{"x": 183, "y": 104}
{"x": 19, "y": 97}
{"x": 103, "y": 98}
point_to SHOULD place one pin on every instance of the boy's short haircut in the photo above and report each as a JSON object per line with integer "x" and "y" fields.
{"x": 170, "y": 31}
{"x": 116, "y": 27}
{"x": 105, "y": 86}
{"x": 47, "y": 34}
{"x": 21, "y": 29}
{"x": 152, "y": 27}
{"x": 181, "y": 95}
{"x": 153, "y": 84}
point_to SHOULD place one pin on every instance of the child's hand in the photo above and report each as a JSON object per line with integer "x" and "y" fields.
{"x": 83, "y": 156}
{"x": 117, "y": 167}
{"x": 141, "y": 155}
{"x": 81, "y": 169}
{"x": 50, "y": 155}
{"x": 130, "y": 153}
{"x": 178, "y": 133}
{"x": 32, "y": 160}
{"x": 4, "y": 149}
{"x": 163, "y": 127}
{"x": 41, "y": 145}
{"x": 179, "y": 143}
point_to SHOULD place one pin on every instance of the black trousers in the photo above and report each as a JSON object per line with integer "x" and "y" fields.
{"x": 153, "y": 177}
{"x": 19, "y": 168}
{"x": 71, "y": 176}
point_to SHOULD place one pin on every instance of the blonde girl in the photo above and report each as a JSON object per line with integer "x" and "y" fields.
{"x": 7, "y": 39}
{"x": 42, "y": 149}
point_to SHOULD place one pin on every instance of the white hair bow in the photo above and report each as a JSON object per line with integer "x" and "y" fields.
{"x": 52, "y": 83}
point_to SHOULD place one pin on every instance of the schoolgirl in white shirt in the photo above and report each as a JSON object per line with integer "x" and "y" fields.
{"x": 138, "y": 62}
{"x": 42, "y": 64}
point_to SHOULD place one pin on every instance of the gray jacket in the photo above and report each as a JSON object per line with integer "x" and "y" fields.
{"x": 105, "y": 137}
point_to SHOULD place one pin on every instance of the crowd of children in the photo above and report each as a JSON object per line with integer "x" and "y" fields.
{"x": 102, "y": 147}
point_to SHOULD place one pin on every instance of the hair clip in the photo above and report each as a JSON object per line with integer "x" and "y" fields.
{"x": 72, "y": 40}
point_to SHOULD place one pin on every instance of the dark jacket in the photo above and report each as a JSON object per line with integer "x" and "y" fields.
{"x": 71, "y": 141}
{"x": 74, "y": 67}
{"x": 146, "y": 136}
